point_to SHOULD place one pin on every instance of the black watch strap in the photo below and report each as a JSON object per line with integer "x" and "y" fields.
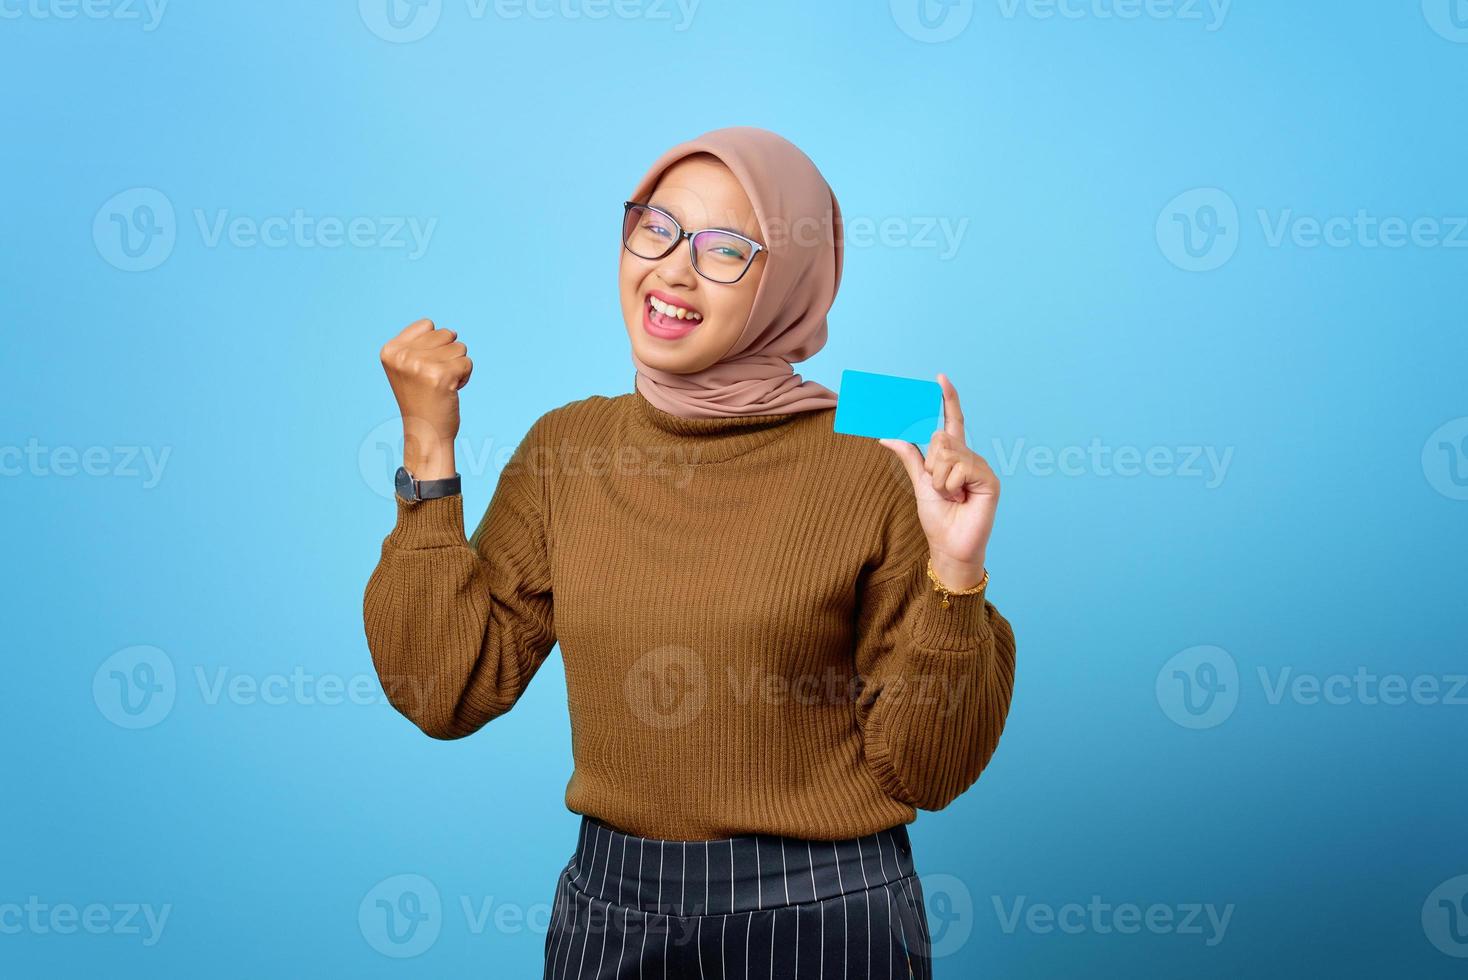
{"x": 410, "y": 487}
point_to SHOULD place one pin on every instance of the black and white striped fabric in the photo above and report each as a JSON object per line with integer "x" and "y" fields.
{"x": 754, "y": 907}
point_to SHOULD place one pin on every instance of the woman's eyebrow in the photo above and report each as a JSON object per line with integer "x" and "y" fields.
{"x": 666, "y": 209}
{"x": 732, "y": 231}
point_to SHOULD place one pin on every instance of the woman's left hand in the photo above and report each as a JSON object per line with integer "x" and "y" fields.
{"x": 957, "y": 495}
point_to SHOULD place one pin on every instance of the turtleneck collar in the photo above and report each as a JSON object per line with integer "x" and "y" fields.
{"x": 708, "y": 439}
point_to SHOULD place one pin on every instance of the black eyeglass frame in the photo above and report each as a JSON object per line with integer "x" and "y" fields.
{"x": 682, "y": 234}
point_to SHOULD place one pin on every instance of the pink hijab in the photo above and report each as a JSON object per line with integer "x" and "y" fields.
{"x": 801, "y": 224}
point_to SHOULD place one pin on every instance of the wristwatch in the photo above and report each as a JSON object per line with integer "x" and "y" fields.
{"x": 410, "y": 488}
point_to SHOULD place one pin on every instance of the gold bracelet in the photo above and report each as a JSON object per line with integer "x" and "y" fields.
{"x": 940, "y": 587}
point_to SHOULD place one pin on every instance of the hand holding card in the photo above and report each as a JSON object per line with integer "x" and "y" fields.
{"x": 884, "y": 406}
{"x": 957, "y": 492}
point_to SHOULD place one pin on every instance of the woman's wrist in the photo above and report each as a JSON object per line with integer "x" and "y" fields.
{"x": 429, "y": 460}
{"x": 958, "y": 576}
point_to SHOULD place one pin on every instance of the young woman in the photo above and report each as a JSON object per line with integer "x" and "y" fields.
{"x": 776, "y": 638}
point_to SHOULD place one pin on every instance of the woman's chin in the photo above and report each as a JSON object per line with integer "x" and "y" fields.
{"x": 674, "y": 362}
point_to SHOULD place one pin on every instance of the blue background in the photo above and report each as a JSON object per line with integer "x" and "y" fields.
{"x": 1333, "y": 541}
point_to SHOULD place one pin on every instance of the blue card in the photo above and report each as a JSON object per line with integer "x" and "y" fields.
{"x": 884, "y": 406}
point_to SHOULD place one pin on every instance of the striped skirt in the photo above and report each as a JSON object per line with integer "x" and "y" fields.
{"x": 753, "y": 906}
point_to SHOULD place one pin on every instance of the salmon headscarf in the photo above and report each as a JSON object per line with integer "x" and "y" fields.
{"x": 800, "y": 223}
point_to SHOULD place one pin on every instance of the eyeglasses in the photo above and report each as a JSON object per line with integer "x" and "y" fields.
{"x": 718, "y": 255}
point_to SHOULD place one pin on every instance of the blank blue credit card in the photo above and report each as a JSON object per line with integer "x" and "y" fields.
{"x": 884, "y": 406}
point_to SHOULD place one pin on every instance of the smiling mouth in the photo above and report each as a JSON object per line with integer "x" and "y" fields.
{"x": 667, "y": 320}
{"x": 671, "y": 312}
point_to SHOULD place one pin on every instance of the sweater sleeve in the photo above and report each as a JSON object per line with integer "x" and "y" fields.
{"x": 456, "y": 627}
{"x": 935, "y": 683}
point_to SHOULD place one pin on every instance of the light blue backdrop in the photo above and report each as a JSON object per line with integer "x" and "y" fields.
{"x": 1196, "y": 270}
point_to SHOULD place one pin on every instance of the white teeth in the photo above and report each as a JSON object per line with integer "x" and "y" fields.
{"x": 669, "y": 310}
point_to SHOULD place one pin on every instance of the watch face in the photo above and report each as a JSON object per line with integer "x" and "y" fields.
{"x": 404, "y": 483}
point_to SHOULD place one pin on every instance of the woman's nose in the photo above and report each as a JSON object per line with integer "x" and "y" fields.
{"x": 676, "y": 268}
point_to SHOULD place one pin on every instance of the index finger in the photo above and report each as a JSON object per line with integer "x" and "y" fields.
{"x": 952, "y": 413}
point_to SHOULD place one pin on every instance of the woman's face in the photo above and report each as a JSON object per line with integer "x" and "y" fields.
{"x": 700, "y": 192}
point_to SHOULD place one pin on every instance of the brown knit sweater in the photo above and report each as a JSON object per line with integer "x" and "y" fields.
{"x": 750, "y": 639}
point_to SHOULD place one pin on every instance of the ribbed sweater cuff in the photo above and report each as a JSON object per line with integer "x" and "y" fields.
{"x": 436, "y": 523}
{"x": 962, "y": 627}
